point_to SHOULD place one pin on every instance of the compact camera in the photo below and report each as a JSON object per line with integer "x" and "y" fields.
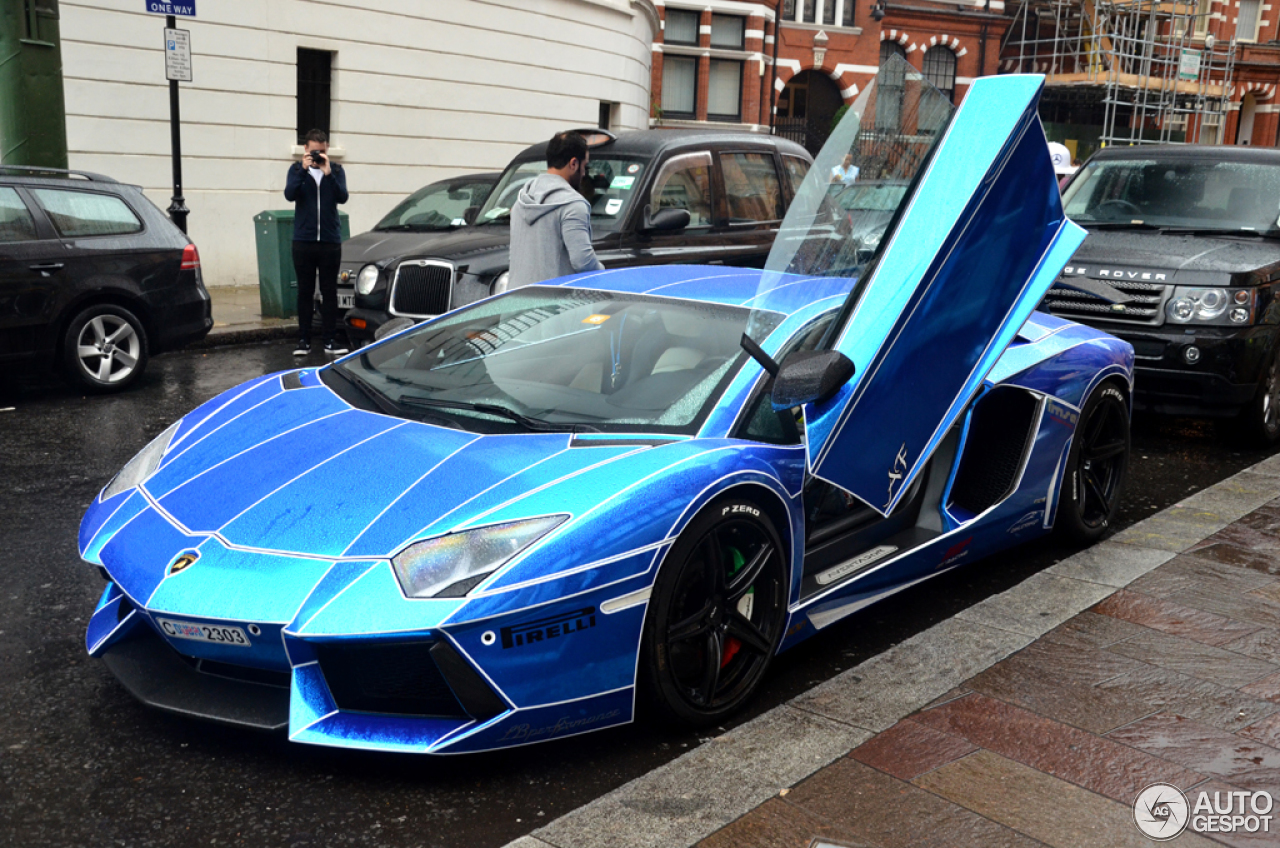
{"x": 317, "y": 158}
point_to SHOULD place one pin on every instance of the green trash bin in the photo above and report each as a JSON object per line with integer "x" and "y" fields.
{"x": 277, "y": 282}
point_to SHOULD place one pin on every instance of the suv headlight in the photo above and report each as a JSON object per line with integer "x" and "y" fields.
{"x": 1209, "y": 306}
{"x": 367, "y": 280}
{"x": 501, "y": 281}
{"x": 143, "y": 465}
{"x": 451, "y": 566}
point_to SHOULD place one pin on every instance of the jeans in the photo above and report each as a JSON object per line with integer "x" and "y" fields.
{"x": 310, "y": 258}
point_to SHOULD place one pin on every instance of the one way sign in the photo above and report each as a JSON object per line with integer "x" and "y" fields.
{"x": 184, "y": 8}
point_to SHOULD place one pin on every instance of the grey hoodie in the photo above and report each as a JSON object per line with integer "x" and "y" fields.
{"x": 550, "y": 232}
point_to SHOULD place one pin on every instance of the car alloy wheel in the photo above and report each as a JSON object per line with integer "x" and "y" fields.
{"x": 105, "y": 348}
{"x": 1261, "y": 417}
{"x": 717, "y": 613}
{"x": 1096, "y": 466}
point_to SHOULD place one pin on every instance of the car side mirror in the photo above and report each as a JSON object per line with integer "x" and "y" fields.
{"x": 667, "y": 219}
{"x": 470, "y": 213}
{"x": 810, "y": 376}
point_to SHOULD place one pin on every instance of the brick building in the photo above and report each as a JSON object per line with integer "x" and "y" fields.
{"x": 714, "y": 59}
{"x": 713, "y": 62}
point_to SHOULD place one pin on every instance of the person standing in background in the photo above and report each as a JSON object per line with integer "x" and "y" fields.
{"x": 845, "y": 173}
{"x": 551, "y": 220}
{"x": 316, "y": 186}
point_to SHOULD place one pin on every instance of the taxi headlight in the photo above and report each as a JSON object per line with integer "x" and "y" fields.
{"x": 500, "y": 283}
{"x": 367, "y": 280}
{"x": 143, "y": 465}
{"x": 451, "y": 566}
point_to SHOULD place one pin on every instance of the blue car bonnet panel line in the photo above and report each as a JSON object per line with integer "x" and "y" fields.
{"x": 978, "y": 246}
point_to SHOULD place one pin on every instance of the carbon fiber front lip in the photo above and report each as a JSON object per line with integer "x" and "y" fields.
{"x": 155, "y": 674}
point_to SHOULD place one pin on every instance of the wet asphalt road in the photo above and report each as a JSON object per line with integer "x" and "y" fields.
{"x": 82, "y": 763}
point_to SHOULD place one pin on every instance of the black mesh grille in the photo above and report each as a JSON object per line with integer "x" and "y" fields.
{"x": 422, "y": 289}
{"x": 993, "y": 452}
{"x": 1143, "y": 309}
{"x": 398, "y": 678}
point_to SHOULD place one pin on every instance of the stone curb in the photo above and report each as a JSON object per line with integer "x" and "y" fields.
{"x": 689, "y": 798}
{"x": 250, "y": 335}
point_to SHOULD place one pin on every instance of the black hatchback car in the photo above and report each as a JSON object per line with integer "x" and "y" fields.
{"x": 93, "y": 276}
{"x": 1183, "y": 262}
{"x": 657, "y": 197}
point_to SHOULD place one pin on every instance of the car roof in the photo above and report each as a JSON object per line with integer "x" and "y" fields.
{"x": 1190, "y": 152}
{"x": 653, "y": 142}
{"x": 25, "y": 173}
{"x": 486, "y": 176}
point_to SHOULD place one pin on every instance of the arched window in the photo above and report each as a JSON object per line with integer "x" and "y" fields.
{"x": 891, "y": 82}
{"x": 940, "y": 70}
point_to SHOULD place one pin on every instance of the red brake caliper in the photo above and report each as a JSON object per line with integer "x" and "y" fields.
{"x": 732, "y": 645}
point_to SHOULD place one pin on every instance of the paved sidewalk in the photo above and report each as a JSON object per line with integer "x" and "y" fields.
{"x": 1032, "y": 718}
{"x": 237, "y": 319}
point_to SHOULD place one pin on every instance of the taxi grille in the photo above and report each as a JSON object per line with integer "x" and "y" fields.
{"x": 399, "y": 679}
{"x": 421, "y": 290}
{"x": 1148, "y": 299}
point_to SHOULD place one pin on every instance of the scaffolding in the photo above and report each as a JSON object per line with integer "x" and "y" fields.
{"x": 1148, "y": 69}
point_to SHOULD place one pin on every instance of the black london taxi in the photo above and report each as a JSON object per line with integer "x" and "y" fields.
{"x": 657, "y": 197}
{"x": 1183, "y": 262}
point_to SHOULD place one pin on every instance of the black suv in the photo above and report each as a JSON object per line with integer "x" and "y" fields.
{"x": 1183, "y": 262}
{"x": 657, "y": 197}
{"x": 94, "y": 276}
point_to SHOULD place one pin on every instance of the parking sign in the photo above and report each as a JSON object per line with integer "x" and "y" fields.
{"x": 177, "y": 55}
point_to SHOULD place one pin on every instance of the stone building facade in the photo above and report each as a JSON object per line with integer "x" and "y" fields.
{"x": 410, "y": 93}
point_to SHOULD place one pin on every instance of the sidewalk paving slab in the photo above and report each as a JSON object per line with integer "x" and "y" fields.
{"x": 1032, "y": 718}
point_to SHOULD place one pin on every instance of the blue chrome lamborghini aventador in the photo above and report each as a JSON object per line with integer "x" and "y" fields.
{"x": 508, "y": 524}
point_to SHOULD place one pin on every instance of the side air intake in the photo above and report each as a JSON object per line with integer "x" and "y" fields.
{"x": 996, "y": 447}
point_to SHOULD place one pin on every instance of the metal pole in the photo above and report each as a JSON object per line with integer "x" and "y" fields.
{"x": 178, "y": 206}
{"x": 773, "y": 82}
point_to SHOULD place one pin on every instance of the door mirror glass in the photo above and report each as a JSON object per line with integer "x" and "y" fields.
{"x": 809, "y": 376}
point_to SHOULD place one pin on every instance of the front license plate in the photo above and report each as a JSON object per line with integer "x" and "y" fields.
{"x": 219, "y": 634}
{"x": 345, "y": 301}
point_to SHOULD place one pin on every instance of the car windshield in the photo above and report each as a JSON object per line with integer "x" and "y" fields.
{"x": 1178, "y": 194}
{"x": 550, "y": 358}
{"x": 608, "y": 187}
{"x": 887, "y": 135}
{"x": 873, "y": 196}
{"x": 439, "y": 206}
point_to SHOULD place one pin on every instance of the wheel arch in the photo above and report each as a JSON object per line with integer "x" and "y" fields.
{"x": 103, "y": 297}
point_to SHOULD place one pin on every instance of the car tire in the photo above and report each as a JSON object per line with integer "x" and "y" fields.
{"x": 1259, "y": 421}
{"x": 1096, "y": 467}
{"x": 104, "y": 348}
{"x": 709, "y": 639}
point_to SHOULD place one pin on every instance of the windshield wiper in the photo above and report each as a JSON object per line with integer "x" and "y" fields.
{"x": 381, "y": 401}
{"x": 526, "y": 421}
{"x": 1117, "y": 225}
{"x": 414, "y": 228}
{"x": 1218, "y": 231}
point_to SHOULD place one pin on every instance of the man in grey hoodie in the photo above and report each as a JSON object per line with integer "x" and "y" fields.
{"x": 551, "y": 220}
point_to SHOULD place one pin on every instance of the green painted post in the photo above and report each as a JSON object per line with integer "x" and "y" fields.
{"x": 33, "y": 114}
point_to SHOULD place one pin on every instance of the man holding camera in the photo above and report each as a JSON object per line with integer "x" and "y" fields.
{"x": 316, "y": 186}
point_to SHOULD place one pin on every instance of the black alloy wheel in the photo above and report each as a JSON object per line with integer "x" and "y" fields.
{"x": 1260, "y": 418}
{"x": 1096, "y": 467}
{"x": 717, "y": 613}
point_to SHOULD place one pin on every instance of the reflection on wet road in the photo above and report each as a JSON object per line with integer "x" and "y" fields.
{"x": 82, "y": 763}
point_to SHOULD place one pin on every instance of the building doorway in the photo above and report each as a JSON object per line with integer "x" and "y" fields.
{"x": 1244, "y": 129}
{"x": 805, "y": 109}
